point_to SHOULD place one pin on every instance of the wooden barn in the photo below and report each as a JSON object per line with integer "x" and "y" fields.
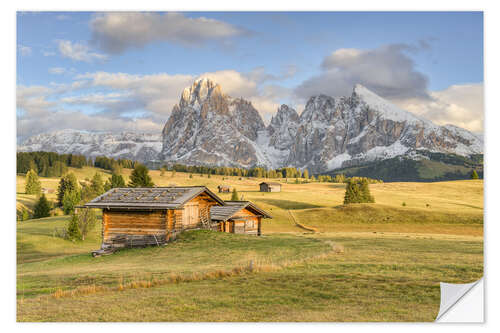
{"x": 153, "y": 216}
{"x": 239, "y": 217}
{"x": 270, "y": 187}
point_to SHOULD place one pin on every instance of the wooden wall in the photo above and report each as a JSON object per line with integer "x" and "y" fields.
{"x": 147, "y": 227}
{"x": 244, "y": 222}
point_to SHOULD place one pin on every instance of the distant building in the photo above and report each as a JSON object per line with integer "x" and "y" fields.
{"x": 239, "y": 217}
{"x": 224, "y": 189}
{"x": 270, "y": 187}
{"x": 48, "y": 190}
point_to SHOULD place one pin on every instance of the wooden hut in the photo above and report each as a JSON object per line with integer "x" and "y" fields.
{"x": 151, "y": 216}
{"x": 224, "y": 189}
{"x": 239, "y": 217}
{"x": 270, "y": 187}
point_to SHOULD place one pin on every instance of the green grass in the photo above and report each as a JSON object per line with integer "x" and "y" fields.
{"x": 373, "y": 280}
{"x": 390, "y": 270}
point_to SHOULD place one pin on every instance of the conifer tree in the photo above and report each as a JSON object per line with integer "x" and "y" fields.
{"x": 70, "y": 200}
{"x": 33, "y": 185}
{"x": 67, "y": 183}
{"x": 234, "y": 196}
{"x": 73, "y": 231}
{"x": 42, "y": 208}
{"x": 474, "y": 175}
{"x": 97, "y": 185}
{"x": 140, "y": 177}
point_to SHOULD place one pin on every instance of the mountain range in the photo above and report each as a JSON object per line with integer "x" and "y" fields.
{"x": 208, "y": 127}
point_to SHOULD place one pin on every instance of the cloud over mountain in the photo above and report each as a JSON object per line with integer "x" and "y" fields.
{"x": 116, "y": 32}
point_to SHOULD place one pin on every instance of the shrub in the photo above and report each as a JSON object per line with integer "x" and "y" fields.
{"x": 404, "y": 204}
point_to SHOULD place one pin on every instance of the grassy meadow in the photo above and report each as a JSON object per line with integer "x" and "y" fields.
{"x": 365, "y": 262}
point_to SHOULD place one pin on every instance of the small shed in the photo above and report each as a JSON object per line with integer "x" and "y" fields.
{"x": 223, "y": 189}
{"x": 270, "y": 187}
{"x": 239, "y": 217}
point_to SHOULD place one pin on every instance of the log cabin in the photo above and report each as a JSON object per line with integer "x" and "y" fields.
{"x": 239, "y": 217}
{"x": 153, "y": 216}
{"x": 270, "y": 187}
{"x": 224, "y": 189}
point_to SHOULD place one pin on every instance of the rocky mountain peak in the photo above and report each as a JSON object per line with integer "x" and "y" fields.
{"x": 200, "y": 91}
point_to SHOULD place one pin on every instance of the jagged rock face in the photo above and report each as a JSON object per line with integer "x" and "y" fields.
{"x": 135, "y": 146}
{"x": 283, "y": 127}
{"x": 333, "y": 133}
{"x": 209, "y": 127}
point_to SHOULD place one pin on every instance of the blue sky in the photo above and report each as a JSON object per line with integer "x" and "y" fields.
{"x": 125, "y": 71}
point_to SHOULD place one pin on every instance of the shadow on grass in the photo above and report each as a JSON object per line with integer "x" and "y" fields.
{"x": 287, "y": 204}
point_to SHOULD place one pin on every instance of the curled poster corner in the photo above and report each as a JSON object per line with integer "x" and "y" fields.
{"x": 461, "y": 302}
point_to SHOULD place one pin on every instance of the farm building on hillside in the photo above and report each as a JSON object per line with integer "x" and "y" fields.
{"x": 270, "y": 187}
{"x": 153, "y": 216}
{"x": 239, "y": 217}
{"x": 224, "y": 189}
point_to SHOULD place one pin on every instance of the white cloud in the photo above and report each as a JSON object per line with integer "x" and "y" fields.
{"x": 116, "y": 32}
{"x": 460, "y": 105}
{"x": 78, "y": 52}
{"x": 387, "y": 70}
{"x": 24, "y": 50}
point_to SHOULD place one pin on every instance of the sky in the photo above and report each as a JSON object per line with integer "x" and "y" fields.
{"x": 125, "y": 71}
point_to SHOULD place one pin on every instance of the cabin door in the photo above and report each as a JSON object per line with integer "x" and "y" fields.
{"x": 191, "y": 215}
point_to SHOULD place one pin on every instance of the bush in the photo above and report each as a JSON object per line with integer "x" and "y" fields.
{"x": 42, "y": 208}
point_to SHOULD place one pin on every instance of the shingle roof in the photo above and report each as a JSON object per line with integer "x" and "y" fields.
{"x": 224, "y": 213}
{"x": 270, "y": 183}
{"x": 149, "y": 198}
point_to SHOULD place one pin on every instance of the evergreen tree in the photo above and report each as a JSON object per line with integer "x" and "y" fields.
{"x": 474, "y": 175}
{"x": 114, "y": 181}
{"x": 33, "y": 185}
{"x": 42, "y": 208}
{"x": 357, "y": 191}
{"x": 140, "y": 177}
{"x": 70, "y": 200}
{"x": 97, "y": 185}
{"x": 364, "y": 190}
{"x": 234, "y": 196}
{"x": 67, "y": 183}
{"x": 72, "y": 230}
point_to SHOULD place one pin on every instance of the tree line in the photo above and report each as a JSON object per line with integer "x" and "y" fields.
{"x": 50, "y": 164}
